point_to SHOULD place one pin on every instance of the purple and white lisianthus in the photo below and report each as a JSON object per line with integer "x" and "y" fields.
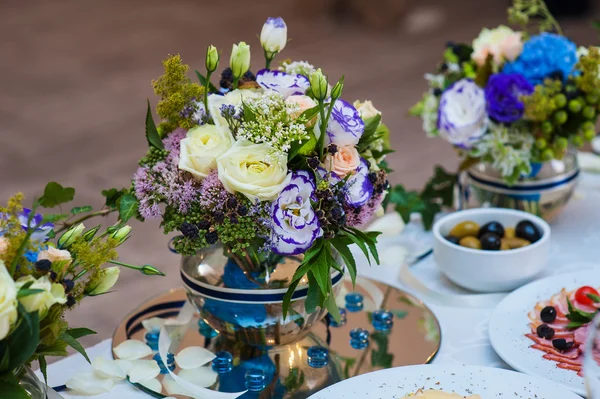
{"x": 283, "y": 83}
{"x": 502, "y": 95}
{"x": 295, "y": 223}
{"x": 345, "y": 126}
{"x": 41, "y": 232}
{"x": 462, "y": 115}
{"x": 359, "y": 187}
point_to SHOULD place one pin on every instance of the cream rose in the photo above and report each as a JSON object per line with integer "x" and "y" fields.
{"x": 201, "y": 147}
{"x": 298, "y": 104}
{"x": 344, "y": 161}
{"x": 54, "y": 254}
{"x": 255, "y": 170}
{"x": 3, "y": 245}
{"x": 8, "y": 301}
{"x": 51, "y": 293}
{"x": 501, "y": 43}
{"x": 366, "y": 109}
{"x": 235, "y": 98}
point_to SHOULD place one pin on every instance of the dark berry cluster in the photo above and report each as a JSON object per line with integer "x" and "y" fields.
{"x": 227, "y": 78}
{"x": 44, "y": 266}
{"x": 380, "y": 182}
{"x": 331, "y": 212}
{"x": 332, "y": 149}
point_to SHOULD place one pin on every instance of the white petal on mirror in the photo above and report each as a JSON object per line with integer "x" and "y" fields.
{"x": 153, "y": 385}
{"x": 108, "y": 369}
{"x": 203, "y": 376}
{"x": 89, "y": 384}
{"x": 125, "y": 365}
{"x": 173, "y": 388}
{"x": 390, "y": 224}
{"x": 153, "y": 324}
{"x": 143, "y": 370}
{"x": 132, "y": 349}
{"x": 193, "y": 357}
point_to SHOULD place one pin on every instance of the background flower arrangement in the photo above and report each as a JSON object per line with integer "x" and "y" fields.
{"x": 267, "y": 165}
{"x": 512, "y": 99}
{"x": 48, "y": 264}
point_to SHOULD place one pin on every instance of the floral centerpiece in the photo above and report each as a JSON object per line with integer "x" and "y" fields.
{"x": 266, "y": 165}
{"x": 48, "y": 264}
{"x": 513, "y": 99}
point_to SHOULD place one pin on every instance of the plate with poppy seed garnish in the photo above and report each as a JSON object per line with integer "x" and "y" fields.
{"x": 540, "y": 329}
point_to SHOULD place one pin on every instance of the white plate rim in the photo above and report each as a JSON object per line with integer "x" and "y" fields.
{"x": 432, "y": 372}
{"x": 505, "y": 341}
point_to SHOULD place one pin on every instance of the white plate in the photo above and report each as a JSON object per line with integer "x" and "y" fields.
{"x": 489, "y": 383}
{"x": 509, "y": 324}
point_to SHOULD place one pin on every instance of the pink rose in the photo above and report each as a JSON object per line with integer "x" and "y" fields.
{"x": 502, "y": 43}
{"x": 297, "y": 104}
{"x": 344, "y": 161}
{"x": 54, "y": 254}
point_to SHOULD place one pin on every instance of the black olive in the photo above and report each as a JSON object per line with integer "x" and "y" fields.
{"x": 561, "y": 344}
{"x": 453, "y": 240}
{"x": 490, "y": 242}
{"x": 545, "y": 331}
{"x": 548, "y": 314}
{"x": 528, "y": 231}
{"x": 491, "y": 227}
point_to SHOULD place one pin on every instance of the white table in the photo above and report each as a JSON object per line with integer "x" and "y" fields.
{"x": 575, "y": 240}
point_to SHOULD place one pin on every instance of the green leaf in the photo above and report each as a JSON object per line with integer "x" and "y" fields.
{"x": 128, "y": 206}
{"x": 380, "y": 357}
{"x": 310, "y": 113}
{"x": 594, "y": 298}
{"x": 43, "y": 368}
{"x": 89, "y": 235}
{"x": 307, "y": 261}
{"x": 23, "y": 292}
{"x": 54, "y": 217}
{"x": 321, "y": 269}
{"x": 370, "y": 240}
{"x": 441, "y": 186}
{"x": 80, "y": 332}
{"x": 347, "y": 257}
{"x": 576, "y": 324}
{"x": 22, "y": 342}
{"x": 304, "y": 148}
{"x": 360, "y": 243}
{"x": 288, "y": 297}
{"x": 249, "y": 115}
{"x": 332, "y": 307}
{"x": 202, "y": 80}
{"x": 10, "y": 389}
{"x": 151, "y": 132}
{"x": 73, "y": 343}
{"x": 577, "y": 315}
{"x": 370, "y": 133}
{"x": 112, "y": 196}
{"x": 55, "y": 194}
{"x": 81, "y": 209}
{"x": 312, "y": 296}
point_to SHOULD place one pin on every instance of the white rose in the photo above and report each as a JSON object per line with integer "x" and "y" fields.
{"x": 235, "y": 97}
{"x": 201, "y": 147}
{"x": 8, "y": 301}
{"x": 501, "y": 43}
{"x": 366, "y": 109}
{"x": 54, "y": 254}
{"x": 51, "y": 293}
{"x": 255, "y": 170}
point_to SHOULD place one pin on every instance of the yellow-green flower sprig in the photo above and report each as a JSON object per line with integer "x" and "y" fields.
{"x": 589, "y": 79}
{"x": 523, "y": 12}
{"x": 177, "y": 93}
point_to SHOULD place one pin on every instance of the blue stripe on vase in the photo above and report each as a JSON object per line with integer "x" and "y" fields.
{"x": 247, "y": 297}
{"x": 537, "y": 187}
{"x": 139, "y": 326}
{"x": 155, "y": 308}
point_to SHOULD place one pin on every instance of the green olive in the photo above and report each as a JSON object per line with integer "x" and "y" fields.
{"x": 509, "y": 232}
{"x": 466, "y": 228}
{"x": 514, "y": 243}
{"x": 470, "y": 242}
{"x": 504, "y": 246}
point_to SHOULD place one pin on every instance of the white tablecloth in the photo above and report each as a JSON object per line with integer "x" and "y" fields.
{"x": 575, "y": 240}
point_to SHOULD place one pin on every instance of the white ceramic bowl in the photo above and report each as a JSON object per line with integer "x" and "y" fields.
{"x": 490, "y": 271}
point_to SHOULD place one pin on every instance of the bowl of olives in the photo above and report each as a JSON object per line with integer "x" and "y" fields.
{"x": 491, "y": 249}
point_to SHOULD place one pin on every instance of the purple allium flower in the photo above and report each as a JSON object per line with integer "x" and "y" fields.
{"x": 462, "y": 117}
{"x": 359, "y": 186}
{"x": 502, "y": 95}
{"x": 283, "y": 83}
{"x": 212, "y": 193}
{"x": 41, "y": 232}
{"x": 359, "y": 217}
{"x": 295, "y": 223}
{"x": 172, "y": 145}
{"x": 345, "y": 126}
{"x": 544, "y": 55}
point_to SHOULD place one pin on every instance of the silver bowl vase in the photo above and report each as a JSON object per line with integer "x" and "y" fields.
{"x": 545, "y": 192}
{"x": 245, "y": 303}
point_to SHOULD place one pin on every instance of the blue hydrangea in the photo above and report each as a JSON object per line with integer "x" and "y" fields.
{"x": 544, "y": 55}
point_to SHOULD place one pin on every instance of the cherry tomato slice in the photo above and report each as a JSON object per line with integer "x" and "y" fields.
{"x": 581, "y": 295}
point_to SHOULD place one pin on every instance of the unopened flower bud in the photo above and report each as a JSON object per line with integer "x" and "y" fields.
{"x": 70, "y": 236}
{"x": 240, "y": 59}
{"x": 212, "y": 58}
{"x": 103, "y": 281}
{"x": 318, "y": 84}
{"x": 122, "y": 234}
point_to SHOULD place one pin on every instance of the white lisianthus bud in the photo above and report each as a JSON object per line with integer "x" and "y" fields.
{"x": 240, "y": 59}
{"x": 273, "y": 36}
{"x": 122, "y": 234}
{"x": 69, "y": 237}
{"x": 103, "y": 281}
{"x": 318, "y": 84}
{"x": 212, "y": 58}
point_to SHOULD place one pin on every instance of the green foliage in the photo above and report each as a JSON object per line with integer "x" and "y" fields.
{"x": 10, "y": 388}
{"x": 81, "y": 209}
{"x": 112, "y": 196}
{"x": 202, "y": 80}
{"x": 128, "y": 207}
{"x": 73, "y": 343}
{"x": 371, "y": 133}
{"x": 55, "y": 194}
{"x": 526, "y": 12}
{"x": 151, "y": 132}
{"x": 381, "y": 357}
{"x": 17, "y": 348}
{"x": 438, "y": 192}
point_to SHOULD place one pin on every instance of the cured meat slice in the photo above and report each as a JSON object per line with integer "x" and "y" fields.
{"x": 570, "y": 354}
{"x": 578, "y": 361}
{"x": 580, "y": 335}
{"x": 568, "y": 366}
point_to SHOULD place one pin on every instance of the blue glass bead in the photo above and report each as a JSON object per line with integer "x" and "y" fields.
{"x": 205, "y": 330}
{"x": 223, "y": 362}
{"x": 318, "y": 356}
{"x": 382, "y": 320}
{"x": 354, "y": 302}
{"x": 255, "y": 380}
{"x": 170, "y": 363}
{"x": 152, "y": 340}
{"x": 359, "y": 338}
{"x": 343, "y": 319}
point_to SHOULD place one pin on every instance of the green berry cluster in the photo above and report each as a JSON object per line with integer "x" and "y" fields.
{"x": 153, "y": 156}
{"x": 239, "y": 233}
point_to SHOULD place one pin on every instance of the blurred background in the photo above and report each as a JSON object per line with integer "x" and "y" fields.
{"x": 75, "y": 75}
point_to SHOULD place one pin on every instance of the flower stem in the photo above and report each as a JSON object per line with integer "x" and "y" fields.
{"x": 234, "y": 85}
{"x": 321, "y": 141}
{"x": 206, "y": 85}
{"x": 68, "y": 225}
